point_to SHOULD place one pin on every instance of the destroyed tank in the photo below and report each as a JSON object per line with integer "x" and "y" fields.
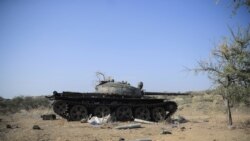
{"x": 119, "y": 99}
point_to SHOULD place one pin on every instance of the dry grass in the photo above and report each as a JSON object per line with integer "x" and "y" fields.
{"x": 206, "y": 122}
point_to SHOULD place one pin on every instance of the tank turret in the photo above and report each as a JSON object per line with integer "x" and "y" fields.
{"x": 121, "y": 88}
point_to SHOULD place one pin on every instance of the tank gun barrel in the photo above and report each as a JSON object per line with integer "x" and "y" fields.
{"x": 166, "y": 93}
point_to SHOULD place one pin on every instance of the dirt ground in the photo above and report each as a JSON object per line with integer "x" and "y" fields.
{"x": 200, "y": 127}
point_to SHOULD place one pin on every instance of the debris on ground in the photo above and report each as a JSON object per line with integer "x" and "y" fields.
{"x": 143, "y": 139}
{"x": 199, "y": 120}
{"x": 97, "y": 121}
{"x": 36, "y": 127}
{"x": 179, "y": 119}
{"x": 84, "y": 120}
{"x": 129, "y": 126}
{"x": 143, "y": 121}
{"x": 48, "y": 117}
{"x": 164, "y": 131}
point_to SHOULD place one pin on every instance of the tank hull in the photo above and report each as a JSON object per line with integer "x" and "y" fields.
{"x": 75, "y": 106}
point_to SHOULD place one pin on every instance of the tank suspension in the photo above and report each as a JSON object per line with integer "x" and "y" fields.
{"x": 102, "y": 111}
{"x": 158, "y": 114}
{"x": 124, "y": 113}
{"x": 78, "y": 112}
{"x": 142, "y": 113}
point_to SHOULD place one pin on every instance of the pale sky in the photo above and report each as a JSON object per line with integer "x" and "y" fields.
{"x": 48, "y": 45}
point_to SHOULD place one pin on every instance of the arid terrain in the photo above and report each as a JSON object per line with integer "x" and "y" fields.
{"x": 206, "y": 122}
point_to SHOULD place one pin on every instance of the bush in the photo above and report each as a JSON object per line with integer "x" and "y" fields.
{"x": 22, "y": 102}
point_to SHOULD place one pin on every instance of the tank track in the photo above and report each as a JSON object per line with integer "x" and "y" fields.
{"x": 76, "y": 106}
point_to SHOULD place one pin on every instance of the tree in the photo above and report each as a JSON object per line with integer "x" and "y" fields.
{"x": 237, "y": 4}
{"x": 240, "y": 3}
{"x": 229, "y": 68}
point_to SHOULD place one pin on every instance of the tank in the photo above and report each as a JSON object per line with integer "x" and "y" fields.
{"x": 119, "y": 99}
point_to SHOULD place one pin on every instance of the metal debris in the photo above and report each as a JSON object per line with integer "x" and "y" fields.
{"x": 129, "y": 126}
{"x": 143, "y": 121}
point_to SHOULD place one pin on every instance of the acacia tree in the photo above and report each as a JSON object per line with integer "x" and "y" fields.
{"x": 229, "y": 68}
{"x": 240, "y": 3}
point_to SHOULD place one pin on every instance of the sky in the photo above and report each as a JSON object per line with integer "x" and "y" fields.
{"x": 48, "y": 45}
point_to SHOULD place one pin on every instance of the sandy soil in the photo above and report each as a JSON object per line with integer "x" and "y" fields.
{"x": 201, "y": 127}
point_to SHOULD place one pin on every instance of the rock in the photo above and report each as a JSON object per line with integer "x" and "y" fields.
{"x": 165, "y": 132}
{"x": 8, "y": 126}
{"x": 36, "y": 127}
{"x": 11, "y": 126}
{"x": 48, "y": 117}
{"x": 205, "y": 120}
{"x": 121, "y": 139}
{"x": 183, "y": 128}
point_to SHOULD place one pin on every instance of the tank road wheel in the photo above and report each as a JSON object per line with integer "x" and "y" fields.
{"x": 78, "y": 112}
{"x": 60, "y": 107}
{"x": 102, "y": 111}
{"x": 158, "y": 114}
{"x": 124, "y": 113}
{"x": 142, "y": 113}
